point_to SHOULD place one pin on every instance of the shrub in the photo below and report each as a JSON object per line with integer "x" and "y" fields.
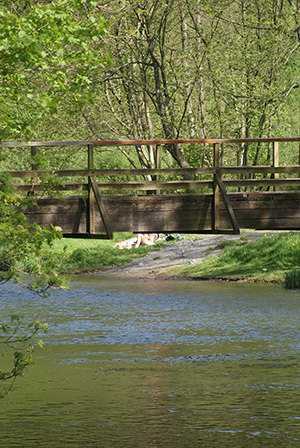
{"x": 292, "y": 279}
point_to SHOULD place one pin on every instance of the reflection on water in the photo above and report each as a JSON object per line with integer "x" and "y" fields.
{"x": 132, "y": 363}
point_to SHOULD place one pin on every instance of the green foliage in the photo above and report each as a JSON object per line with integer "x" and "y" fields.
{"x": 265, "y": 259}
{"x": 292, "y": 279}
{"x": 47, "y": 52}
{"x": 21, "y": 248}
{"x": 18, "y": 338}
{"x": 165, "y": 79}
{"x": 22, "y": 255}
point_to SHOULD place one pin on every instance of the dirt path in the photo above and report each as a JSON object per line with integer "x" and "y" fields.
{"x": 179, "y": 253}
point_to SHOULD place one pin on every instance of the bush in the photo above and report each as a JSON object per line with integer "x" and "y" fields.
{"x": 292, "y": 279}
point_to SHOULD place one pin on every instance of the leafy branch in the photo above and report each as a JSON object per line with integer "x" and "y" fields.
{"x": 14, "y": 336}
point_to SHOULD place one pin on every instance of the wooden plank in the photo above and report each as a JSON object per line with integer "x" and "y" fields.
{"x": 275, "y": 163}
{"x": 158, "y": 164}
{"x": 176, "y": 213}
{"x": 86, "y": 236}
{"x": 159, "y": 172}
{"x": 264, "y": 195}
{"x": 268, "y": 207}
{"x": 172, "y": 185}
{"x": 228, "y": 205}
{"x": 101, "y": 208}
{"x": 259, "y": 169}
{"x": 115, "y": 172}
{"x": 91, "y": 208}
{"x": 130, "y": 185}
{"x": 72, "y": 204}
{"x": 68, "y": 213}
{"x": 262, "y": 183}
{"x": 184, "y": 201}
{"x": 68, "y": 223}
{"x": 192, "y": 141}
{"x": 78, "y": 143}
{"x": 146, "y": 142}
{"x": 66, "y": 187}
{"x": 216, "y": 213}
{"x": 267, "y": 224}
{"x": 58, "y": 205}
{"x": 136, "y": 219}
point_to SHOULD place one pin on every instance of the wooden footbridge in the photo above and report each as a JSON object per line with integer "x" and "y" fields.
{"x": 210, "y": 199}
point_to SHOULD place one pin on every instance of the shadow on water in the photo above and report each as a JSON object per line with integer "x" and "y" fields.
{"x": 132, "y": 363}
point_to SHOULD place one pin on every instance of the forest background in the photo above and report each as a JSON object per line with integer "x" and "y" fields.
{"x": 86, "y": 70}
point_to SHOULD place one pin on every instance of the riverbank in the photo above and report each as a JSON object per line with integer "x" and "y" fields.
{"x": 185, "y": 259}
{"x": 250, "y": 257}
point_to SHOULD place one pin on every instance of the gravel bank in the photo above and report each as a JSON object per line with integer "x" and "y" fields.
{"x": 155, "y": 263}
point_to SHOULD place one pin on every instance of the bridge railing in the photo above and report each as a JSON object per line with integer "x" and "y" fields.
{"x": 216, "y": 179}
{"x": 234, "y": 177}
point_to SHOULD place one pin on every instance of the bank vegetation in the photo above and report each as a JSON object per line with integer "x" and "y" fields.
{"x": 270, "y": 258}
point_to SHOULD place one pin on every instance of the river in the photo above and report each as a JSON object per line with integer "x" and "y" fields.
{"x": 133, "y": 363}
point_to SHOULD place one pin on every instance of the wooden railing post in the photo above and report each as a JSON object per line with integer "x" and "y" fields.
{"x": 33, "y": 153}
{"x": 275, "y": 163}
{"x": 34, "y": 167}
{"x": 216, "y": 198}
{"x": 158, "y": 163}
{"x": 91, "y": 209}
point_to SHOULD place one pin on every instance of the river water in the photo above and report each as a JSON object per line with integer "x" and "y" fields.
{"x": 133, "y": 363}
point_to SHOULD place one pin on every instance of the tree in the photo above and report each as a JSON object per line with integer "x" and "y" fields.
{"x": 249, "y": 66}
{"x": 152, "y": 78}
{"x": 47, "y": 51}
{"x": 196, "y": 68}
{"x": 21, "y": 253}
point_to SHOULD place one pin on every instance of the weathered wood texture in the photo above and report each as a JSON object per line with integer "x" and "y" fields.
{"x": 158, "y": 171}
{"x": 81, "y": 143}
{"x": 191, "y": 213}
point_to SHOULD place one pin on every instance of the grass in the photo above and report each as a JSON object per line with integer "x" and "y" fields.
{"x": 225, "y": 244}
{"x": 80, "y": 255}
{"x": 269, "y": 259}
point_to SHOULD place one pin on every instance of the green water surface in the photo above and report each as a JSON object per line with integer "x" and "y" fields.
{"x": 132, "y": 363}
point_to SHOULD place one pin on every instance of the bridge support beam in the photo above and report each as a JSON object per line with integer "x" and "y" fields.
{"x": 228, "y": 205}
{"x": 101, "y": 207}
{"x": 220, "y": 188}
{"x": 95, "y": 194}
